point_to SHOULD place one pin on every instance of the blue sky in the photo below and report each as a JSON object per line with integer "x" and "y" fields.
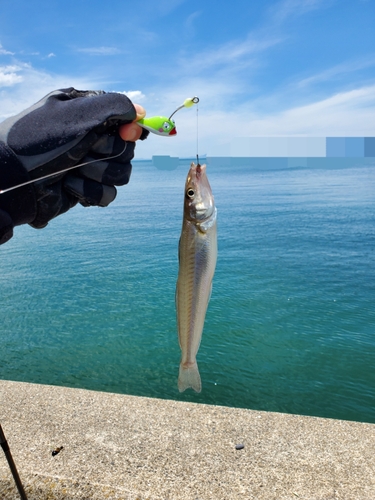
{"x": 270, "y": 68}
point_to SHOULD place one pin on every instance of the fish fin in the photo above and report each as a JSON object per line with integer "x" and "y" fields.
{"x": 189, "y": 377}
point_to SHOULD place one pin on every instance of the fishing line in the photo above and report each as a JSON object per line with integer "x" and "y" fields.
{"x": 2, "y": 191}
{"x": 186, "y": 104}
{"x": 197, "y": 136}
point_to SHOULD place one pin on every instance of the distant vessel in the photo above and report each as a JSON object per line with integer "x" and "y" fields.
{"x": 165, "y": 162}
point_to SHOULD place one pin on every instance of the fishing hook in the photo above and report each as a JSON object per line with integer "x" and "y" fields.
{"x": 186, "y": 104}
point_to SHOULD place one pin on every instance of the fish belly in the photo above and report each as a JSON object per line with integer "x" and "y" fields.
{"x": 198, "y": 253}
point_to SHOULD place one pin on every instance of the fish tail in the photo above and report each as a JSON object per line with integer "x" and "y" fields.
{"x": 189, "y": 377}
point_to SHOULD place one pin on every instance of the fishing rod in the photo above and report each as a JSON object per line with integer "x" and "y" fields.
{"x": 5, "y": 446}
{"x": 159, "y": 125}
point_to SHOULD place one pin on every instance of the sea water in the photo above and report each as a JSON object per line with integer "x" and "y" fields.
{"x": 89, "y": 301}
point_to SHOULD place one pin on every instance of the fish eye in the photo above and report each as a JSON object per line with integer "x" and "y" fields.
{"x": 190, "y": 193}
{"x": 166, "y": 126}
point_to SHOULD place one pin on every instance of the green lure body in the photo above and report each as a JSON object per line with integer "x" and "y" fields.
{"x": 160, "y": 125}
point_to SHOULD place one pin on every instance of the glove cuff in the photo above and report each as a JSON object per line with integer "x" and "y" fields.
{"x": 20, "y": 203}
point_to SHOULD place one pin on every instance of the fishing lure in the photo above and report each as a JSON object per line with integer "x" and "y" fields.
{"x": 161, "y": 125}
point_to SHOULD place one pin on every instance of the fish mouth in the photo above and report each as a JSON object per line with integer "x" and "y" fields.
{"x": 173, "y": 131}
{"x": 200, "y": 170}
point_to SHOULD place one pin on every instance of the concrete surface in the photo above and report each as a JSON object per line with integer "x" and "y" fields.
{"x": 126, "y": 447}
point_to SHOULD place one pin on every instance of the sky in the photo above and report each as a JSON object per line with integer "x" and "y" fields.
{"x": 269, "y": 68}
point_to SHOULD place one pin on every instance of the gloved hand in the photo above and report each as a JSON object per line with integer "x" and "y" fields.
{"x": 66, "y": 128}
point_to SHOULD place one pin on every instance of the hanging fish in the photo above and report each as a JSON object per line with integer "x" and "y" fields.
{"x": 197, "y": 262}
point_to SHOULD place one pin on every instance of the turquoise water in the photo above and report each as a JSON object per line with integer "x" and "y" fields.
{"x": 89, "y": 301}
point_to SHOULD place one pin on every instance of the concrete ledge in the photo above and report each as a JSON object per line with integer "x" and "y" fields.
{"x": 126, "y": 447}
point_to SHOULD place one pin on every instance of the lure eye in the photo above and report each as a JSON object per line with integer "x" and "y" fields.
{"x": 190, "y": 193}
{"x": 166, "y": 126}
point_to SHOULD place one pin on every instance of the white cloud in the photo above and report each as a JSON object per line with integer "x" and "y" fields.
{"x": 344, "y": 114}
{"x": 134, "y": 95}
{"x": 231, "y": 54}
{"x": 286, "y": 9}
{"x": 28, "y": 53}
{"x": 100, "y": 51}
{"x": 165, "y": 7}
{"x": 5, "y": 52}
{"x": 9, "y": 76}
{"x": 338, "y": 70}
{"x": 30, "y": 85}
{"x": 190, "y": 20}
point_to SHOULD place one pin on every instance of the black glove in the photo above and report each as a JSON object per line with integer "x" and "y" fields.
{"x": 66, "y": 128}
